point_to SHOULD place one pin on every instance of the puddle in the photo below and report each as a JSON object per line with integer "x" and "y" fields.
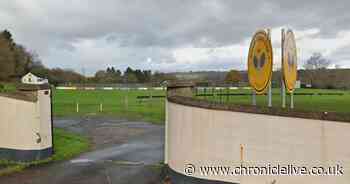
{"x": 79, "y": 161}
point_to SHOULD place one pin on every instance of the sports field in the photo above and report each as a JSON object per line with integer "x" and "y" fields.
{"x": 124, "y": 103}
{"x": 119, "y": 103}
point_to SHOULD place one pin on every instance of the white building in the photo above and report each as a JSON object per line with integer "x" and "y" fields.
{"x": 30, "y": 78}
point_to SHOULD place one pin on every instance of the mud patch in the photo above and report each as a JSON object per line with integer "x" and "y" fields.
{"x": 103, "y": 132}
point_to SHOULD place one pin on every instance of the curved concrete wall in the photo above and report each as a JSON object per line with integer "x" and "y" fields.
{"x": 202, "y": 137}
{"x": 25, "y": 128}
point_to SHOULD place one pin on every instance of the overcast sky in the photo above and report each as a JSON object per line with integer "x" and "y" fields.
{"x": 172, "y": 35}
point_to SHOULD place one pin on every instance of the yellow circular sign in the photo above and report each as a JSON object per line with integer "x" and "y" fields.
{"x": 260, "y": 60}
{"x": 289, "y": 61}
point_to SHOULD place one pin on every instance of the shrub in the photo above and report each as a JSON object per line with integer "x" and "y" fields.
{"x": 2, "y": 87}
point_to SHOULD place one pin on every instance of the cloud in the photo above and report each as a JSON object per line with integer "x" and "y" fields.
{"x": 174, "y": 34}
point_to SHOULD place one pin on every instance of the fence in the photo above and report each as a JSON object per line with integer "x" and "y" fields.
{"x": 131, "y": 103}
{"x": 306, "y": 99}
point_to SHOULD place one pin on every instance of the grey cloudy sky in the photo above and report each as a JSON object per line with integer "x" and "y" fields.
{"x": 172, "y": 35}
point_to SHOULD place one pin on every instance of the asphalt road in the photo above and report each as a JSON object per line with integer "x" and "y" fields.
{"x": 122, "y": 152}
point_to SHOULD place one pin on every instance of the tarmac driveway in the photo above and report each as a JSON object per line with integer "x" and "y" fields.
{"x": 122, "y": 152}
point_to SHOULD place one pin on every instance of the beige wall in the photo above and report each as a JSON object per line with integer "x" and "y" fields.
{"x": 44, "y": 104}
{"x": 203, "y": 137}
{"x": 20, "y": 121}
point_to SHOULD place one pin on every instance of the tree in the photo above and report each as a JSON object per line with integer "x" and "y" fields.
{"x": 118, "y": 73}
{"x": 100, "y": 76}
{"x": 130, "y": 78}
{"x": 112, "y": 70}
{"x": 110, "y": 75}
{"x": 7, "y": 35}
{"x": 16, "y": 60}
{"x": 128, "y": 70}
{"x": 233, "y": 76}
{"x": 313, "y": 66}
{"x": 147, "y": 75}
{"x": 21, "y": 59}
{"x": 7, "y": 64}
{"x": 159, "y": 77}
{"x": 316, "y": 62}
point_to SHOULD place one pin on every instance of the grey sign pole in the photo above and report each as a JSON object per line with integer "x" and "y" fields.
{"x": 253, "y": 98}
{"x": 269, "y": 90}
{"x": 270, "y": 96}
{"x": 283, "y": 87}
{"x": 292, "y": 100}
{"x": 283, "y": 95}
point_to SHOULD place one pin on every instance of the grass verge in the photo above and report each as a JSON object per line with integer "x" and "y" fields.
{"x": 7, "y": 87}
{"x": 67, "y": 145}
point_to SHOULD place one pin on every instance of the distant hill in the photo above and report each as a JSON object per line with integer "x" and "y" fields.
{"x": 324, "y": 78}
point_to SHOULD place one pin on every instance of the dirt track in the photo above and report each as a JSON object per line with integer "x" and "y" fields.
{"x": 122, "y": 152}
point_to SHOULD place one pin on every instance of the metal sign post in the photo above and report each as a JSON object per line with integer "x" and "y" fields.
{"x": 270, "y": 83}
{"x": 253, "y": 98}
{"x": 292, "y": 100}
{"x": 283, "y": 91}
{"x": 283, "y": 87}
{"x": 270, "y": 96}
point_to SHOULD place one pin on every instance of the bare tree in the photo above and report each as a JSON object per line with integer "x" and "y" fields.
{"x": 312, "y": 69}
{"x": 337, "y": 66}
{"x": 316, "y": 62}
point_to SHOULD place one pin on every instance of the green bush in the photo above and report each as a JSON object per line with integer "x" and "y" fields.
{"x": 2, "y": 88}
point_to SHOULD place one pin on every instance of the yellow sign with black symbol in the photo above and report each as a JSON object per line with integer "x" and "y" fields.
{"x": 260, "y": 60}
{"x": 289, "y": 61}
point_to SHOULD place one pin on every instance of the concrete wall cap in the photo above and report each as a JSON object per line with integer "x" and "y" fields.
{"x": 189, "y": 101}
{"x": 32, "y": 87}
{"x": 180, "y": 84}
{"x": 19, "y": 95}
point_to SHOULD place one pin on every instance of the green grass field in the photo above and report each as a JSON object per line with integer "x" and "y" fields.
{"x": 124, "y": 104}
{"x": 118, "y": 103}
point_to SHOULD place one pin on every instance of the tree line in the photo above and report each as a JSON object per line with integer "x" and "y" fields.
{"x": 112, "y": 75}
{"x": 16, "y": 61}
